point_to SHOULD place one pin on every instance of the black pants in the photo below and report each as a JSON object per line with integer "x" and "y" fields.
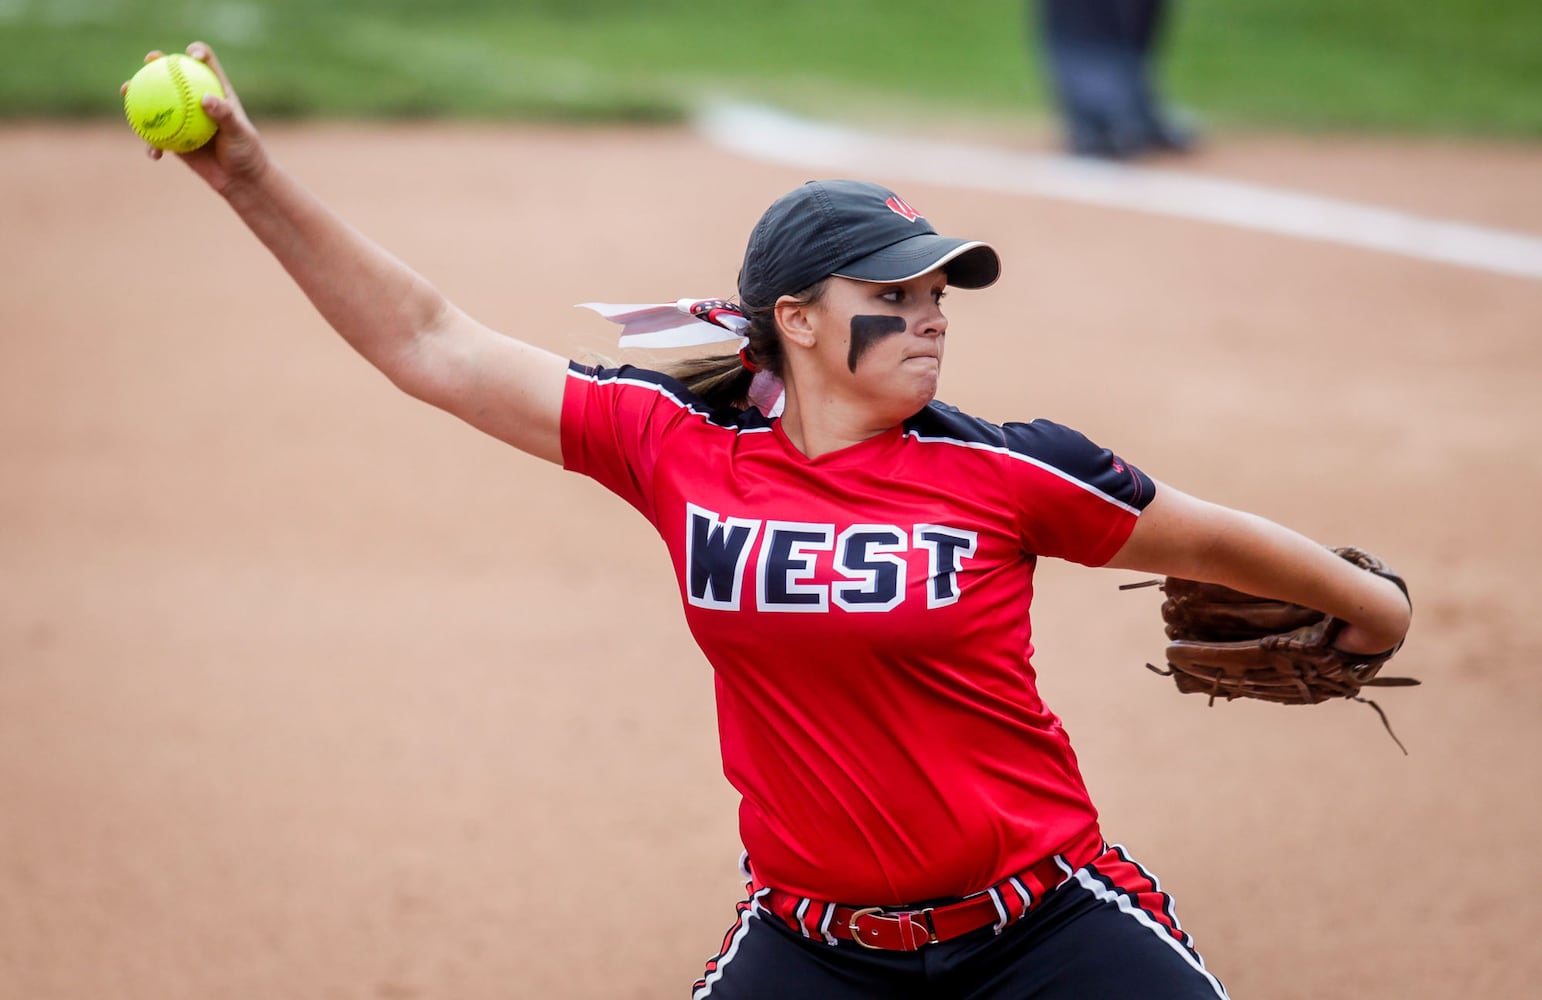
{"x": 1101, "y": 56}
{"x": 1107, "y": 933}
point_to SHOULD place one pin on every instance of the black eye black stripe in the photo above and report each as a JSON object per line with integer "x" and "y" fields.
{"x": 867, "y": 331}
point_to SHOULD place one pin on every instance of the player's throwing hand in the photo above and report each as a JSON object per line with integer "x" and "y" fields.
{"x": 236, "y": 151}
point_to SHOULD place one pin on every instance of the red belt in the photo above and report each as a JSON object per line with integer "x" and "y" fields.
{"x": 908, "y": 929}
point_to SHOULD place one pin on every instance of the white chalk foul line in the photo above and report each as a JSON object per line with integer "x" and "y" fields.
{"x": 775, "y": 137}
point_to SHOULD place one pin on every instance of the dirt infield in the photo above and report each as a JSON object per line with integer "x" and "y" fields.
{"x": 308, "y": 691}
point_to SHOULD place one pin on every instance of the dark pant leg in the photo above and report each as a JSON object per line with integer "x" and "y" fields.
{"x": 1091, "y": 51}
{"x": 1144, "y": 21}
{"x": 764, "y": 959}
{"x": 1109, "y": 933}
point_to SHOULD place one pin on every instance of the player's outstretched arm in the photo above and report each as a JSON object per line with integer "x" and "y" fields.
{"x": 390, "y": 314}
{"x": 1181, "y": 536}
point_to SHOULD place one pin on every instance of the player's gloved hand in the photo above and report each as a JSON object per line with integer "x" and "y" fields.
{"x": 236, "y": 154}
{"x": 1228, "y": 644}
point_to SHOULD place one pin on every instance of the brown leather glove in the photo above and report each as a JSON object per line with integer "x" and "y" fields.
{"x": 1228, "y": 644}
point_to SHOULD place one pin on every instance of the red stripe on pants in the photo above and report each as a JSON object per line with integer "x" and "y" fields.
{"x": 1117, "y": 870}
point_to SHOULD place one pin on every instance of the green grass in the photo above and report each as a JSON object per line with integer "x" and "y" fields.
{"x": 1457, "y": 66}
{"x": 1453, "y": 66}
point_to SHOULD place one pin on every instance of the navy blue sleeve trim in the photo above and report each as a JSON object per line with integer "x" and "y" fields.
{"x": 1070, "y": 452}
{"x": 1043, "y": 442}
{"x": 674, "y": 389}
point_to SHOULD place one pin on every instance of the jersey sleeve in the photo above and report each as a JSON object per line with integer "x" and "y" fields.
{"x": 615, "y": 422}
{"x": 1076, "y": 500}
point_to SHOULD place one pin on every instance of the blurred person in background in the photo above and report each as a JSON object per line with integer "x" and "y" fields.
{"x": 1101, "y": 56}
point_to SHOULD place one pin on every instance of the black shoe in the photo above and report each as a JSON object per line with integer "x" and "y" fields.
{"x": 1106, "y": 142}
{"x": 1171, "y": 134}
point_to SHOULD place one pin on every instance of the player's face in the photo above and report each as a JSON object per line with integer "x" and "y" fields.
{"x": 884, "y": 341}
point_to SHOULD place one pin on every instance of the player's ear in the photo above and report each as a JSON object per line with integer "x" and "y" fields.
{"x": 794, "y": 322}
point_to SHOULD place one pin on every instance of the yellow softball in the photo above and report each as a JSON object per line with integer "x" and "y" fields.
{"x": 164, "y": 103}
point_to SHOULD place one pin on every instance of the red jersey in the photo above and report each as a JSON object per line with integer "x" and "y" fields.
{"x": 866, "y": 615}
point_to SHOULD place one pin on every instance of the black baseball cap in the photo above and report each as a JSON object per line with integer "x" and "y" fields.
{"x": 852, "y": 229}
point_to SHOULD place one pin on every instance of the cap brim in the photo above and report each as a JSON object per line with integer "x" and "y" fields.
{"x": 969, "y": 263}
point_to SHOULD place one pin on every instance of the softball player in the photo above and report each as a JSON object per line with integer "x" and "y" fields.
{"x": 858, "y": 570}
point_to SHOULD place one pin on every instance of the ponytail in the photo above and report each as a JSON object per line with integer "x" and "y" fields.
{"x": 723, "y": 381}
{"x": 720, "y": 381}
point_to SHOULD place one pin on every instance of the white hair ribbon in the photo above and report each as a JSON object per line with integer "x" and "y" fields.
{"x": 683, "y": 323}
{"x": 692, "y": 323}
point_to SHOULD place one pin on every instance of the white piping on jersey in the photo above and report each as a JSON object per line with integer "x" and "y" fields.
{"x": 1052, "y": 470}
{"x": 645, "y": 384}
{"x": 976, "y": 445}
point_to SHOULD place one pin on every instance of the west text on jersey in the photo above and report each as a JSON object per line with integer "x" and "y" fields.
{"x": 864, "y": 564}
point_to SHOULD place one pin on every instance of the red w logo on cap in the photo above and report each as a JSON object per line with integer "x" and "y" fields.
{"x": 898, "y": 206}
